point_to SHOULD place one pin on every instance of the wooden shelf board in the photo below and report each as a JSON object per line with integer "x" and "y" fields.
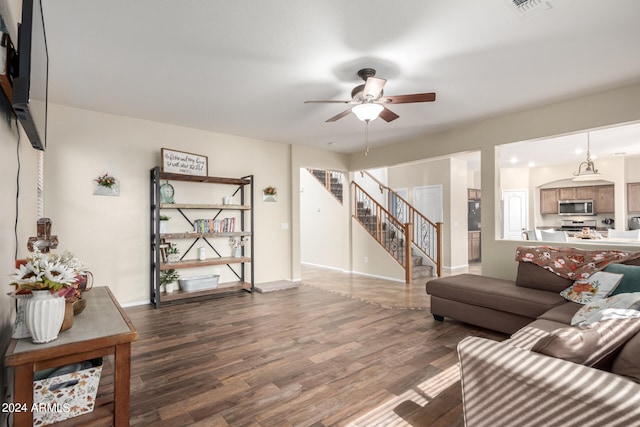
{"x": 209, "y": 179}
{"x": 222, "y": 288}
{"x": 191, "y": 263}
{"x": 203, "y": 206}
{"x": 191, "y": 235}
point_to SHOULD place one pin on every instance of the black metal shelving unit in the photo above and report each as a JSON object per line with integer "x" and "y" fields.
{"x": 238, "y": 265}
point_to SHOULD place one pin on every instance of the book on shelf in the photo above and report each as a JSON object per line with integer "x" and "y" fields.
{"x": 224, "y": 225}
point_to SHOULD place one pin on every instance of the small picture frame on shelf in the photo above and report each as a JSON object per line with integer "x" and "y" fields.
{"x": 183, "y": 163}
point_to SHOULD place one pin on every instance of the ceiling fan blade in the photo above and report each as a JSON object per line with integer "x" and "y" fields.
{"x": 388, "y": 115}
{"x": 339, "y": 116}
{"x": 328, "y": 101}
{"x": 406, "y": 99}
{"x": 373, "y": 88}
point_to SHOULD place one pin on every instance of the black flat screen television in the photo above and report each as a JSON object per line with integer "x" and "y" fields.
{"x": 30, "y": 85}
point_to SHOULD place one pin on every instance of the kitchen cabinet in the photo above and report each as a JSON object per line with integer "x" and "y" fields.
{"x": 602, "y": 195}
{"x": 604, "y": 198}
{"x": 576, "y": 193}
{"x": 474, "y": 246}
{"x": 586, "y": 193}
{"x": 474, "y": 194}
{"x": 633, "y": 197}
{"x": 549, "y": 201}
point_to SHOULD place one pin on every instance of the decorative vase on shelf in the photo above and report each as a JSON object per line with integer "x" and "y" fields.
{"x": 45, "y": 313}
{"x": 236, "y": 252}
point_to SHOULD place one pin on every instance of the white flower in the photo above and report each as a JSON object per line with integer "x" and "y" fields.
{"x": 47, "y": 271}
{"x": 59, "y": 273}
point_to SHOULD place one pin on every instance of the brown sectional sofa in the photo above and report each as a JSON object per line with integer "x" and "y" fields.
{"x": 507, "y": 384}
{"x": 497, "y": 304}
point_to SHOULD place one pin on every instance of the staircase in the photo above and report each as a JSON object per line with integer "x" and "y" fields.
{"x": 417, "y": 236}
{"x": 331, "y": 180}
{"x": 393, "y": 240}
{"x": 424, "y": 237}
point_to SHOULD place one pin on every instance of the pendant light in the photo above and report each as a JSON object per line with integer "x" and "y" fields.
{"x": 589, "y": 172}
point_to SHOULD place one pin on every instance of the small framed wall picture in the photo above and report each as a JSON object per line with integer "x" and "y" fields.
{"x": 179, "y": 162}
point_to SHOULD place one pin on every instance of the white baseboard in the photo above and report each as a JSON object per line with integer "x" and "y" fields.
{"x": 325, "y": 266}
{"x": 392, "y": 279}
{"x": 134, "y": 304}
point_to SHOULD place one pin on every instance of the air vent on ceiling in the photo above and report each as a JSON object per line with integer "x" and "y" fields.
{"x": 527, "y": 8}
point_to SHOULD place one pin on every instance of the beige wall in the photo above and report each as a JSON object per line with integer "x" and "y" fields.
{"x": 325, "y": 224}
{"x": 606, "y": 108}
{"x": 371, "y": 259}
{"x": 306, "y": 157}
{"x": 452, "y": 174}
{"x": 111, "y": 234}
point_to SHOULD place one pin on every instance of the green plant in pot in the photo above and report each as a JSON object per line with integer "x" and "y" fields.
{"x": 172, "y": 253}
{"x": 168, "y": 279}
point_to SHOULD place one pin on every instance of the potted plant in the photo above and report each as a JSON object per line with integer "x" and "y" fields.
{"x": 168, "y": 280}
{"x": 236, "y": 243}
{"x": 269, "y": 194}
{"x": 106, "y": 185}
{"x": 172, "y": 253}
{"x": 164, "y": 222}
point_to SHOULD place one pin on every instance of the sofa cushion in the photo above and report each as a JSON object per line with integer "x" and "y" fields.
{"x": 533, "y": 276}
{"x": 562, "y": 313}
{"x": 497, "y": 294}
{"x": 624, "y": 301}
{"x": 597, "y": 286}
{"x": 631, "y": 277}
{"x": 588, "y": 345}
{"x": 527, "y": 336}
{"x": 628, "y": 363}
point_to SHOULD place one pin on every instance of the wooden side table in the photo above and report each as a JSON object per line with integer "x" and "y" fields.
{"x": 100, "y": 330}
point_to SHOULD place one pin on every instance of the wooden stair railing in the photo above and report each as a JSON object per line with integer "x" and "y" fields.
{"x": 385, "y": 228}
{"x": 331, "y": 180}
{"x": 426, "y": 235}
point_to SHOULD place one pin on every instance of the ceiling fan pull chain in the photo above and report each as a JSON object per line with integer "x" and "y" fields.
{"x": 366, "y": 138}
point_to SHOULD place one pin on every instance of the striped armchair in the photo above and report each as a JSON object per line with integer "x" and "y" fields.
{"x": 504, "y": 385}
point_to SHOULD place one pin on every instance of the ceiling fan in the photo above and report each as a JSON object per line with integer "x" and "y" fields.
{"x": 370, "y": 102}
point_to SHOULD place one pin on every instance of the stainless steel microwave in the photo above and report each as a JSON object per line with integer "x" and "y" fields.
{"x": 576, "y": 207}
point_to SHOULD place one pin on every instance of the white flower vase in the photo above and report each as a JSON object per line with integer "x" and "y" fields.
{"x": 236, "y": 252}
{"x": 45, "y": 313}
{"x": 164, "y": 226}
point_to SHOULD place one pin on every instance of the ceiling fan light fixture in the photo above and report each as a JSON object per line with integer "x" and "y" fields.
{"x": 367, "y": 111}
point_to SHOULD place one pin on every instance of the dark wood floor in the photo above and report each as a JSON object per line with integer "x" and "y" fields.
{"x": 299, "y": 357}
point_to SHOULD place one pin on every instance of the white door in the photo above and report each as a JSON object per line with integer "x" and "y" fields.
{"x": 514, "y": 216}
{"x": 428, "y": 201}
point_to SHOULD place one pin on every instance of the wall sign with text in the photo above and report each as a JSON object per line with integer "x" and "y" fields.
{"x": 184, "y": 163}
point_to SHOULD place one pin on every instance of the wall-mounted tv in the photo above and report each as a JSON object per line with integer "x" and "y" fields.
{"x": 30, "y": 84}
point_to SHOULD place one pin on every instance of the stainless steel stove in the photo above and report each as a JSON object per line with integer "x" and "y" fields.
{"x": 572, "y": 225}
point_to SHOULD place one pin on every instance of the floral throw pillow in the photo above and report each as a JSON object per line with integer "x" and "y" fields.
{"x": 597, "y": 286}
{"x": 592, "y": 311}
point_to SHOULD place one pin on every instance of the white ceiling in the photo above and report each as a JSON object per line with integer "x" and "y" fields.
{"x": 245, "y": 67}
